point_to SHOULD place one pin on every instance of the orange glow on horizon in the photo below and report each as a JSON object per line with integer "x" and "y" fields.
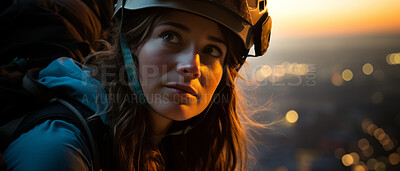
{"x": 316, "y": 17}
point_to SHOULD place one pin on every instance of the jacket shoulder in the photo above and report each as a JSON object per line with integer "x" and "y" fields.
{"x": 51, "y": 145}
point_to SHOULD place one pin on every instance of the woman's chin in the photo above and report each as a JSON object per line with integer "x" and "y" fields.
{"x": 176, "y": 112}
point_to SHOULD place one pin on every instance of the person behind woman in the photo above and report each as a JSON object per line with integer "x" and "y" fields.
{"x": 169, "y": 77}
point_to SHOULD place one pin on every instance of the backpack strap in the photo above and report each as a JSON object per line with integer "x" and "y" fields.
{"x": 98, "y": 140}
{"x": 72, "y": 112}
{"x": 69, "y": 110}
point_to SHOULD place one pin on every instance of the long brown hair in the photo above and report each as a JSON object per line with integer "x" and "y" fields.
{"x": 217, "y": 140}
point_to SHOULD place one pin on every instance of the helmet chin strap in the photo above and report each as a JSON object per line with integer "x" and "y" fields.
{"x": 131, "y": 69}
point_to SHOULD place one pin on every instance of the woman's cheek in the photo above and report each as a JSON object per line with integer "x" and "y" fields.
{"x": 212, "y": 75}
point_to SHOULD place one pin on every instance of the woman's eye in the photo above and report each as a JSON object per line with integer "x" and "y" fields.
{"x": 170, "y": 37}
{"x": 213, "y": 51}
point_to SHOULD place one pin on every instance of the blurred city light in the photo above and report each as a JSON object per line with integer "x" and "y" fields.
{"x": 360, "y": 168}
{"x": 394, "y": 158}
{"x": 292, "y": 116}
{"x": 348, "y": 118}
{"x": 347, "y": 75}
{"x": 305, "y": 159}
{"x": 259, "y": 76}
{"x": 300, "y": 69}
{"x": 379, "y": 133}
{"x": 377, "y": 97}
{"x": 371, "y": 128}
{"x": 365, "y": 124}
{"x": 385, "y": 140}
{"x": 368, "y": 152}
{"x": 266, "y": 70}
{"x": 380, "y": 166}
{"x": 279, "y": 70}
{"x": 393, "y": 58}
{"x": 347, "y": 160}
{"x": 276, "y": 73}
{"x": 371, "y": 164}
{"x": 388, "y": 146}
{"x": 281, "y": 168}
{"x": 363, "y": 144}
{"x": 368, "y": 69}
{"x": 336, "y": 79}
{"x": 356, "y": 157}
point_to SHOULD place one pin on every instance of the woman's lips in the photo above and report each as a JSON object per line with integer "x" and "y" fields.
{"x": 181, "y": 89}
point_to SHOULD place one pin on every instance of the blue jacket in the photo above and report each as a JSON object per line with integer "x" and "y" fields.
{"x": 56, "y": 145}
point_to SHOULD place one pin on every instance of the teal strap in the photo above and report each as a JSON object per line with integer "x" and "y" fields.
{"x": 131, "y": 71}
{"x": 130, "y": 66}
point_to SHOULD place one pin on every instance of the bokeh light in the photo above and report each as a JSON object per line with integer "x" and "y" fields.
{"x": 360, "y": 168}
{"x": 385, "y": 140}
{"x": 377, "y": 97}
{"x": 363, "y": 144}
{"x": 393, "y": 58}
{"x": 300, "y": 69}
{"x": 347, "y": 75}
{"x": 281, "y": 168}
{"x": 263, "y": 72}
{"x": 292, "y": 116}
{"x": 394, "y": 159}
{"x": 347, "y": 160}
{"x": 365, "y": 124}
{"x": 368, "y": 69}
{"x": 371, "y": 128}
{"x": 379, "y": 134}
{"x": 336, "y": 79}
{"x": 356, "y": 157}
{"x": 380, "y": 166}
{"x": 266, "y": 70}
{"x": 371, "y": 163}
{"x": 368, "y": 152}
{"x": 279, "y": 70}
{"x": 259, "y": 76}
{"x": 273, "y": 78}
{"x": 388, "y": 146}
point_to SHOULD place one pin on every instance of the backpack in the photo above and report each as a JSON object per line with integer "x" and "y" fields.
{"x": 60, "y": 108}
{"x": 34, "y": 33}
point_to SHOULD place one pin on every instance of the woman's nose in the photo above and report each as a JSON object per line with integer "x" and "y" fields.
{"x": 190, "y": 67}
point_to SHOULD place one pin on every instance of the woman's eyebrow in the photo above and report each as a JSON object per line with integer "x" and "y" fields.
{"x": 183, "y": 27}
{"x": 216, "y": 39}
{"x": 178, "y": 25}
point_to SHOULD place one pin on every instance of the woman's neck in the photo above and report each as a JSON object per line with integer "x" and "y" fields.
{"x": 160, "y": 125}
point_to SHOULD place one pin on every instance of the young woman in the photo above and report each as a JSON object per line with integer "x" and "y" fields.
{"x": 169, "y": 83}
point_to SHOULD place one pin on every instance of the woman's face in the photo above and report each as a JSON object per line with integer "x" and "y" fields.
{"x": 181, "y": 64}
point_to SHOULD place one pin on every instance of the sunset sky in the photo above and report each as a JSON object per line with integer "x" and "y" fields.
{"x": 298, "y": 18}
